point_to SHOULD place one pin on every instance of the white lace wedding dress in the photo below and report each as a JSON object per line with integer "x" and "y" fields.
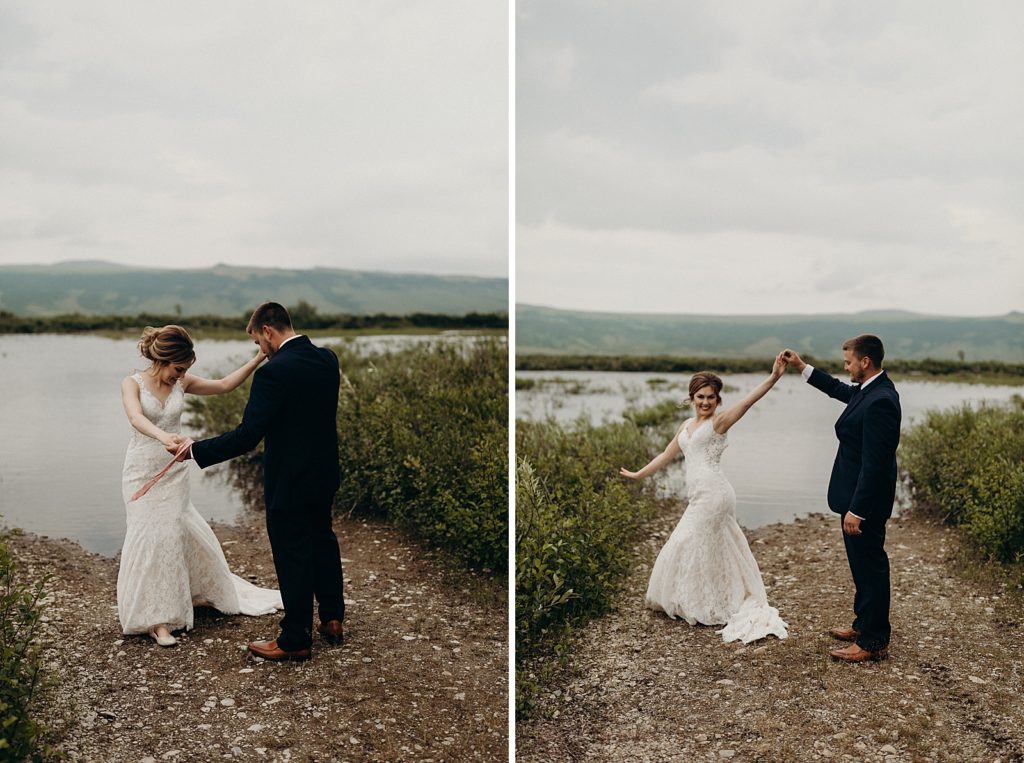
{"x": 171, "y": 559}
{"x": 705, "y": 573}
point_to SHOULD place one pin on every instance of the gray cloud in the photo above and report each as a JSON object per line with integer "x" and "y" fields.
{"x": 364, "y": 135}
{"x": 653, "y": 136}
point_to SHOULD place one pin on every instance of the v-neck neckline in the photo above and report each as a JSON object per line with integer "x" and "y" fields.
{"x": 152, "y": 394}
{"x": 689, "y": 434}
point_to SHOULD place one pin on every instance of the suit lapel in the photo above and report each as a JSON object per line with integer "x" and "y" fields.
{"x": 852, "y": 405}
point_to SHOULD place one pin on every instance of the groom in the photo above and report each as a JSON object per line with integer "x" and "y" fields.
{"x": 863, "y": 486}
{"x": 293, "y": 405}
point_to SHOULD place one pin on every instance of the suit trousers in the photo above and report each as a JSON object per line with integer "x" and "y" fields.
{"x": 308, "y": 564}
{"x": 870, "y": 567}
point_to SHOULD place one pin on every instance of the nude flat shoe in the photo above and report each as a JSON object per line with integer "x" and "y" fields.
{"x": 167, "y": 640}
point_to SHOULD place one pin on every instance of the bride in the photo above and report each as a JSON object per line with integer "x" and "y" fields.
{"x": 171, "y": 560}
{"x": 705, "y": 573}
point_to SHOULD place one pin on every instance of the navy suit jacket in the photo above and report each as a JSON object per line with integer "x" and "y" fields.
{"x": 864, "y": 473}
{"x": 293, "y": 406}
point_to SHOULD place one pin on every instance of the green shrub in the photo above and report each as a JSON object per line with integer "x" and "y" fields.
{"x": 423, "y": 440}
{"x": 20, "y": 610}
{"x": 576, "y": 524}
{"x": 967, "y": 466}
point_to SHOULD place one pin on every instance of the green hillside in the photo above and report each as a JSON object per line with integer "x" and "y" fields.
{"x": 104, "y": 288}
{"x": 906, "y": 335}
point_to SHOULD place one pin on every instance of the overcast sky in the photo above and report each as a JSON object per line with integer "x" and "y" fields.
{"x": 742, "y": 157}
{"x": 355, "y": 134}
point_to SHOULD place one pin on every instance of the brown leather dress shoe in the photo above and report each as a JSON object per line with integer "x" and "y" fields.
{"x": 332, "y": 631}
{"x": 844, "y": 634}
{"x": 854, "y": 653}
{"x": 269, "y": 650}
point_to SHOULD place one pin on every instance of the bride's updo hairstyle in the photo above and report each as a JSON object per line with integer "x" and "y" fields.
{"x": 170, "y": 344}
{"x": 703, "y": 379}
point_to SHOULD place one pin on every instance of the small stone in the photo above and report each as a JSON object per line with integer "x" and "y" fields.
{"x": 408, "y": 638}
{"x": 726, "y": 682}
{"x": 353, "y": 740}
{"x": 236, "y": 751}
{"x": 888, "y": 749}
{"x": 227, "y": 702}
{"x": 726, "y": 754}
{"x": 461, "y": 696}
{"x": 245, "y": 670}
{"x": 976, "y": 680}
{"x": 367, "y": 659}
{"x": 256, "y": 727}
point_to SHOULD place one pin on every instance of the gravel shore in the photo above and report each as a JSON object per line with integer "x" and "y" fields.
{"x": 422, "y": 674}
{"x": 647, "y": 688}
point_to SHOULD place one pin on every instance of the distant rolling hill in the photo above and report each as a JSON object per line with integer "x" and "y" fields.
{"x": 906, "y": 335}
{"x": 106, "y": 288}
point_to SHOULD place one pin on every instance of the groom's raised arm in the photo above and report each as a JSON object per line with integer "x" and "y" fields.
{"x": 265, "y": 399}
{"x": 818, "y": 379}
{"x": 827, "y": 384}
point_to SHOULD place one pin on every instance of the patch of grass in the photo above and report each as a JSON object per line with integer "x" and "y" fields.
{"x": 576, "y": 520}
{"x": 966, "y": 466}
{"x": 21, "y": 738}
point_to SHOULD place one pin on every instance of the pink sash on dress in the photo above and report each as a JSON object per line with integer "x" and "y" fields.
{"x": 182, "y": 450}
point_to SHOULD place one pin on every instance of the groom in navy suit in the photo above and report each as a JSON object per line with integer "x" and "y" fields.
{"x": 293, "y": 407}
{"x": 863, "y": 485}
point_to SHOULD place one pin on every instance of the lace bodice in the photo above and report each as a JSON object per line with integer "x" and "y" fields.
{"x": 703, "y": 448}
{"x": 166, "y": 415}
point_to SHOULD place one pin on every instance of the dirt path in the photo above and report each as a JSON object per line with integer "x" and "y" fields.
{"x": 422, "y": 674}
{"x": 648, "y": 688}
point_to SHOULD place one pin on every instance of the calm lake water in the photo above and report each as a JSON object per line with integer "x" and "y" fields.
{"x": 65, "y": 432}
{"x": 780, "y": 453}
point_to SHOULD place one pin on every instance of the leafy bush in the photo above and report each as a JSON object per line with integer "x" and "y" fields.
{"x": 423, "y": 440}
{"x": 576, "y": 522}
{"x": 967, "y": 466}
{"x": 20, "y": 736}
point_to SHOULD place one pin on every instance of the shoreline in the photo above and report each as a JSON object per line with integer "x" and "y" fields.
{"x": 643, "y": 687}
{"x": 422, "y": 674}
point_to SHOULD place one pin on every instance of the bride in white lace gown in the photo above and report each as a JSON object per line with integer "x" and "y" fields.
{"x": 705, "y": 573}
{"x": 171, "y": 560}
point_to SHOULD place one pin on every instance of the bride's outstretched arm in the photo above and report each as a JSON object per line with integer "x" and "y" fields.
{"x": 197, "y": 385}
{"x": 725, "y": 419}
{"x": 664, "y": 458}
{"x": 133, "y": 408}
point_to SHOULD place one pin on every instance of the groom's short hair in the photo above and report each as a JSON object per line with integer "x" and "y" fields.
{"x": 866, "y": 346}
{"x": 269, "y": 314}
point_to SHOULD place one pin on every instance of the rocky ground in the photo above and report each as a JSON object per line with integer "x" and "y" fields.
{"x": 646, "y": 688}
{"x": 422, "y": 675}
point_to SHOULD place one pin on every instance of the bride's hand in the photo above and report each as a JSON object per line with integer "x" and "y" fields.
{"x": 171, "y": 441}
{"x": 779, "y": 367}
{"x": 624, "y": 472}
{"x": 260, "y": 357}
